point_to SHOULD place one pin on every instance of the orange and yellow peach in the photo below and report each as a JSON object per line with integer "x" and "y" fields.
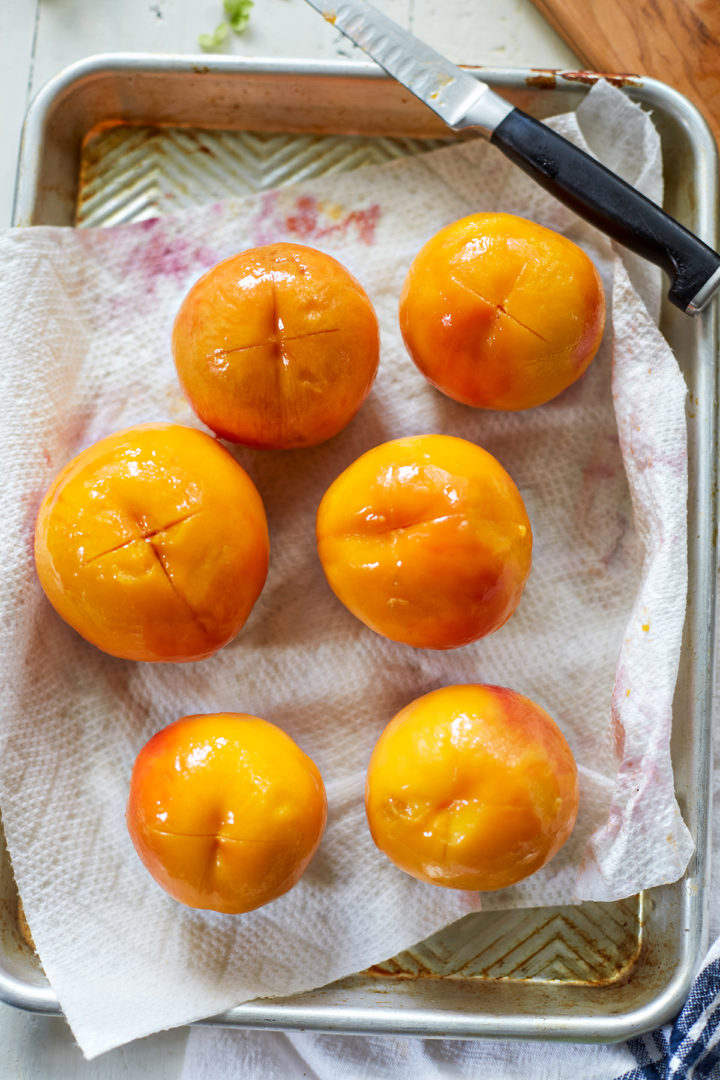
{"x": 501, "y": 313}
{"x": 276, "y": 347}
{"x": 153, "y": 544}
{"x": 426, "y": 540}
{"x": 225, "y": 811}
{"x": 471, "y": 787}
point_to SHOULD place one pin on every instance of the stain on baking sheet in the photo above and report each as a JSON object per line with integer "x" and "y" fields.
{"x": 16, "y": 948}
{"x": 547, "y": 78}
{"x": 593, "y": 944}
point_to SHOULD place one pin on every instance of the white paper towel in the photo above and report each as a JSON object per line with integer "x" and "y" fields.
{"x": 86, "y": 318}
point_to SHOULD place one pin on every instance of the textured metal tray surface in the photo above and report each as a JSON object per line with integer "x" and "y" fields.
{"x": 121, "y": 139}
{"x": 127, "y": 174}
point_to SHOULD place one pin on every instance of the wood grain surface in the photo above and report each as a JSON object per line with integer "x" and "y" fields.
{"x": 677, "y": 41}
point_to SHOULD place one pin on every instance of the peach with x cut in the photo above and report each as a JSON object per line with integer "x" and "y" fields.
{"x": 501, "y": 313}
{"x": 153, "y": 544}
{"x": 276, "y": 347}
{"x": 225, "y": 811}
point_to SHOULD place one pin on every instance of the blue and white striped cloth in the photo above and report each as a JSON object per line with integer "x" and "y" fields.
{"x": 688, "y": 1049}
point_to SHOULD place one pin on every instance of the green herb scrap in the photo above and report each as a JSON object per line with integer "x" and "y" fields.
{"x": 208, "y": 42}
{"x": 238, "y": 13}
{"x": 238, "y": 16}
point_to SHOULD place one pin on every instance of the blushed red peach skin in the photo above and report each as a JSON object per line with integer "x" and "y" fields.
{"x": 471, "y": 787}
{"x": 426, "y": 540}
{"x": 276, "y": 347}
{"x": 225, "y": 811}
{"x": 501, "y": 313}
{"x": 153, "y": 544}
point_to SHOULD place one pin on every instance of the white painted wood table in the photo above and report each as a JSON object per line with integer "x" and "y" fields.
{"x": 38, "y": 38}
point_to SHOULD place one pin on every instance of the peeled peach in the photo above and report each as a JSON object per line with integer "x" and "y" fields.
{"x": 153, "y": 544}
{"x": 225, "y": 811}
{"x": 276, "y": 347}
{"x": 426, "y": 540}
{"x": 501, "y": 313}
{"x": 471, "y": 787}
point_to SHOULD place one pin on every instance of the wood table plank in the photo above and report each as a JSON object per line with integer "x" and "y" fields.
{"x": 676, "y": 41}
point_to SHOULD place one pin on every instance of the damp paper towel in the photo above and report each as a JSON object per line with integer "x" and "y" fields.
{"x": 86, "y": 317}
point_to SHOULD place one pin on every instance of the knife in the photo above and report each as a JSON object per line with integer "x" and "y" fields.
{"x": 571, "y": 175}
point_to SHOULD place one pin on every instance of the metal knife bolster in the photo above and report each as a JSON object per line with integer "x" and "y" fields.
{"x": 486, "y": 113}
{"x": 705, "y": 294}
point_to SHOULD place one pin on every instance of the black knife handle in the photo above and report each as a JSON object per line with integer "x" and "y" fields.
{"x": 609, "y": 203}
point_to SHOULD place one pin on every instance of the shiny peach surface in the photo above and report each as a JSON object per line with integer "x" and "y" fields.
{"x": 426, "y": 540}
{"x": 501, "y": 313}
{"x": 471, "y": 787}
{"x": 276, "y": 347}
{"x": 153, "y": 544}
{"x": 225, "y": 811}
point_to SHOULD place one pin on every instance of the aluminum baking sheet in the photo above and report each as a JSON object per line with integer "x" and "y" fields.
{"x": 120, "y": 138}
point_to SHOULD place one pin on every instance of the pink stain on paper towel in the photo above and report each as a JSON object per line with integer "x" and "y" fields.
{"x": 161, "y": 254}
{"x": 309, "y": 220}
{"x": 156, "y": 249}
